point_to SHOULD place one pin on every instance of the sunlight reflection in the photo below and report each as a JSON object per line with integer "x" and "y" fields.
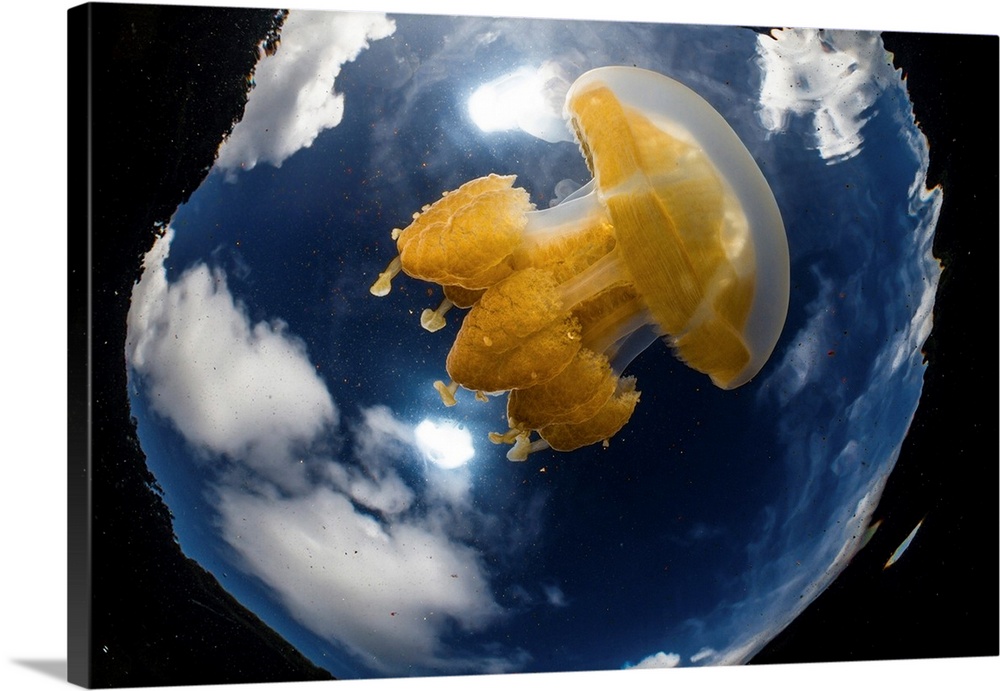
{"x": 444, "y": 444}
{"x": 530, "y": 99}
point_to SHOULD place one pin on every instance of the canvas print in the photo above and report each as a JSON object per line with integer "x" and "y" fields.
{"x": 422, "y": 345}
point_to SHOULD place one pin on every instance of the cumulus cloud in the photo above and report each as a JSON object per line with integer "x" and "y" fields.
{"x": 658, "y": 660}
{"x": 379, "y": 437}
{"x": 386, "y": 591}
{"x": 293, "y": 99}
{"x": 232, "y": 387}
{"x": 387, "y": 493}
{"x": 563, "y": 190}
{"x": 354, "y": 552}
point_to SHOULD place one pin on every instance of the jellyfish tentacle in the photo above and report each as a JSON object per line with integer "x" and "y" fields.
{"x": 606, "y": 272}
{"x": 565, "y": 220}
{"x": 626, "y": 349}
{"x": 616, "y": 324}
{"x": 383, "y": 284}
{"x": 507, "y": 437}
{"x": 447, "y": 391}
{"x": 524, "y": 446}
{"x": 433, "y": 319}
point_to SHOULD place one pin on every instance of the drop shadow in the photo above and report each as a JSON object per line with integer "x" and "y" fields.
{"x": 50, "y": 668}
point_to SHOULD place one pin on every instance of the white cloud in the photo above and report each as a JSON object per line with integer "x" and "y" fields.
{"x": 703, "y": 654}
{"x": 555, "y": 596}
{"x": 380, "y": 438}
{"x": 794, "y": 579}
{"x": 804, "y": 362}
{"x": 833, "y": 77}
{"x": 659, "y": 660}
{"x": 387, "y": 494}
{"x": 353, "y": 552}
{"x": 385, "y": 591}
{"x": 231, "y": 387}
{"x": 294, "y": 97}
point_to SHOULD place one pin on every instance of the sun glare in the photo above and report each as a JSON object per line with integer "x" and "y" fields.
{"x": 444, "y": 444}
{"x": 529, "y": 99}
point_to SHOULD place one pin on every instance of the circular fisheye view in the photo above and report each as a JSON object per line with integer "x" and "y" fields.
{"x": 503, "y": 345}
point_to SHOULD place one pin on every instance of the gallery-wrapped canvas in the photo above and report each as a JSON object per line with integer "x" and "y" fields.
{"x": 412, "y": 345}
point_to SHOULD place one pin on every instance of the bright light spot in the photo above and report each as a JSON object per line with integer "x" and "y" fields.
{"x": 446, "y": 444}
{"x": 490, "y": 111}
{"x": 530, "y": 99}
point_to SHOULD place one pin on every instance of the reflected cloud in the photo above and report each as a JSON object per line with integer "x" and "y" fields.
{"x": 232, "y": 387}
{"x": 387, "y": 592}
{"x": 293, "y": 99}
{"x": 832, "y": 77}
{"x": 353, "y": 551}
{"x": 804, "y": 362}
{"x": 656, "y": 661}
{"x": 703, "y": 655}
{"x": 555, "y": 596}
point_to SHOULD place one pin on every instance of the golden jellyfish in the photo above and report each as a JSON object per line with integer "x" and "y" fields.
{"x": 677, "y": 236}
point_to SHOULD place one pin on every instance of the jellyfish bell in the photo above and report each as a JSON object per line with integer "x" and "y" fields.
{"x": 677, "y": 236}
{"x": 660, "y": 154}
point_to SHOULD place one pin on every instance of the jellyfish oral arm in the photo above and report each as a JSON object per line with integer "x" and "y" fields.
{"x": 433, "y": 320}
{"x": 383, "y": 284}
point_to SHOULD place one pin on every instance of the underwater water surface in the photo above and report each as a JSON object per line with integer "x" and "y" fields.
{"x": 291, "y": 417}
